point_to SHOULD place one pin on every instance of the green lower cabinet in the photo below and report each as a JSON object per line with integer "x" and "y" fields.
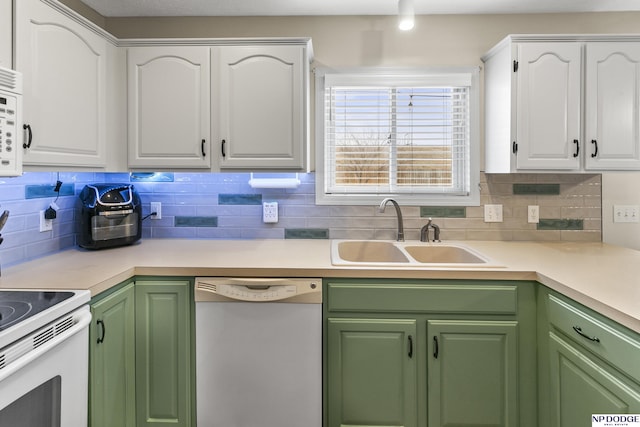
{"x": 581, "y": 386}
{"x": 112, "y": 360}
{"x": 163, "y": 353}
{"x": 141, "y": 355}
{"x": 472, "y": 373}
{"x": 430, "y": 353}
{"x": 372, "y": 372}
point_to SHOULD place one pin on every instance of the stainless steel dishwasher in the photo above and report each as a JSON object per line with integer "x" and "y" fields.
{"x": 258, "y": 352}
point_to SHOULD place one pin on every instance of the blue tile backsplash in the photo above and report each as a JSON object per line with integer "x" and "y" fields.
{"x": 225, "y": 206}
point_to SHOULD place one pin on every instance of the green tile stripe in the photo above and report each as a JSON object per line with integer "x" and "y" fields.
{"x": 196, "y": 221}
{"x": 561, "y": 224}
{"x": 443, "y": 211}
{"x": 239, "y": 199}
{"x": 537, "y": 189}
{"x": 41, "y": 190}
{"x": 306, "y": 233}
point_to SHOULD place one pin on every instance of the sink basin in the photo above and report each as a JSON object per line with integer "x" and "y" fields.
{"x": 383, "y": 253}
{"x": 443, "y": 254}
{"x": 370, "y": 251}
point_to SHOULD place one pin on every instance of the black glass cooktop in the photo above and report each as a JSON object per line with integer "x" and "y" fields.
{"x": 16, "y": 306}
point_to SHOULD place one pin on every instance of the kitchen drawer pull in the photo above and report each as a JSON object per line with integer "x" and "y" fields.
{"x": 222, "y": 148}
{"x": 202, "y": 148}
{"x": 575, "y": 141}
{"x": 103, "y": 329}
{"x": 578, "y": 330}
{"x": 410, "y": 347}
{"x": 30, "y": 138}
{"x": 436, "y": 349}
{"x": 595, "y": 143}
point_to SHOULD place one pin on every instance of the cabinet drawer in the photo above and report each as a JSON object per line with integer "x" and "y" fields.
{"x": 431, "y": 298}
{"x": 616, "y": 347}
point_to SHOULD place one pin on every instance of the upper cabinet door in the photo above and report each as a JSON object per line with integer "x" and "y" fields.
{"x": 613, "y": 106}
{"x": 548, "y": 106}
{"x": 262, "y": 107}
{"x": 169, "y": 108}
{"x": 63, "y": 64}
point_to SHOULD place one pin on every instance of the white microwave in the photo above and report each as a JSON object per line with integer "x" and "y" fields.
{"x": 10, "y": 122}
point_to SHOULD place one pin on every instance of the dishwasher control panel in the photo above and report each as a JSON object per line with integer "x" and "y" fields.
{"x": 258, "y": 289}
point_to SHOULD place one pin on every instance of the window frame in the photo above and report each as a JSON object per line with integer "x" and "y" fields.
{"x": 408, "y": 76}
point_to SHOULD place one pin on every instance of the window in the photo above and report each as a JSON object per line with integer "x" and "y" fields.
{"x": 412, "y": 135}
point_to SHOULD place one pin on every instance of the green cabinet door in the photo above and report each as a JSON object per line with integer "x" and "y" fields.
{"x": 112, "y": 360}
{"x": 472, "y": 373}
{"x": 163, "y": 353}
{"x": 580, "y": 387}
{"x": 371, "y": 365}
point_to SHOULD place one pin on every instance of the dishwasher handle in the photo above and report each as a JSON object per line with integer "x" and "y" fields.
{"x": 294, "y": 290}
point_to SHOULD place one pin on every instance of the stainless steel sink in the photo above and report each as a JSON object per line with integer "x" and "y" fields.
{"x": 406, "y": 254}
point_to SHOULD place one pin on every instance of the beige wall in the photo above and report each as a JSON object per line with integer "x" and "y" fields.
{"x": 438, "y": 40}
{"x": 375, "y": 40}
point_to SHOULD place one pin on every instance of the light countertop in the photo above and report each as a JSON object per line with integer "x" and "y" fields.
{"x": 603, "y": 277}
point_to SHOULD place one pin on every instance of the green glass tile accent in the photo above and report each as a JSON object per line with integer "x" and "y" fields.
{"x": 196, "y": 221}
{"x": 537, "y": 189}
{"x": 239, "y": 199}
{"x": 443, "y": 211}
{"x": 151, "y": 177}
{"x": 306, "y": 233}
{"x": 561, "y": 224}
{"x": 39, "y": 191}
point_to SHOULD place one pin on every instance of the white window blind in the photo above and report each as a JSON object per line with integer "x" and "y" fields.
{"x": 408, "y": 134}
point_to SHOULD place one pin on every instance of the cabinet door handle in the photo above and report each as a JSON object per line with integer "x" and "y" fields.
{"x": 222, "y": 148}
{"x": 202, "y": 148}
{"x": 575, "y": 141}
{"x": 103, "y": 330}
{"x": 595, "y": 143}
{"x": 436, "y": 349}
{"x": 30, "y": 138}
{"x": 578, "y": 330}
{"x": 410, "y": 354}
{"x": 514, "y": 147}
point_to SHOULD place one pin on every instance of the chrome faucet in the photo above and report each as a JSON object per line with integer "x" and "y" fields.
{"x": 424, "y": 232}
{"x": 383, "y": 205}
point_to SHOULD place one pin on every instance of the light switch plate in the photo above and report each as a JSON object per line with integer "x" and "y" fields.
{"x": 626, "y": 213}
{"x": 492, "y": 213}
{"x": 269, "y": 212}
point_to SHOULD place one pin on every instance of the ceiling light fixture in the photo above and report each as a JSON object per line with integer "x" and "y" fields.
{"x": 405, "y": 15}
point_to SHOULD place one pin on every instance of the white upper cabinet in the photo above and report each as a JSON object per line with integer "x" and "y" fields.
{"x": 562, "y": 103}
{"x": 548, "y": 106}
{"x": 6, "y": 34}
{"x": 63, "y": 63}
{"x": 612, "y": 109}
{"x": 169, "y": 107}
{"x": 262, "y": 106}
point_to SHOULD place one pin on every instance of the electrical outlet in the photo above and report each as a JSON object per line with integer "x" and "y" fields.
{"x": 533, "y": 214}
{"x": 492, "y": 213}
{"x": 45, "y": 224}
{"x": 157, "y": 208}
{"x": 626, "y": 213}
{"x": 269, "y": 212}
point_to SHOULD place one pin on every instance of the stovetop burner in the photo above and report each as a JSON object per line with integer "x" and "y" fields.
{"x": 16, "y": 306}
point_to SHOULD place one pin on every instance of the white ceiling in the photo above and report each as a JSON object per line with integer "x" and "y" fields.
{"x": 119, "y": 8}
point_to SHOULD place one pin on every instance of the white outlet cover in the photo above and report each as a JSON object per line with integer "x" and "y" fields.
{"x": 45, "y": 224}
